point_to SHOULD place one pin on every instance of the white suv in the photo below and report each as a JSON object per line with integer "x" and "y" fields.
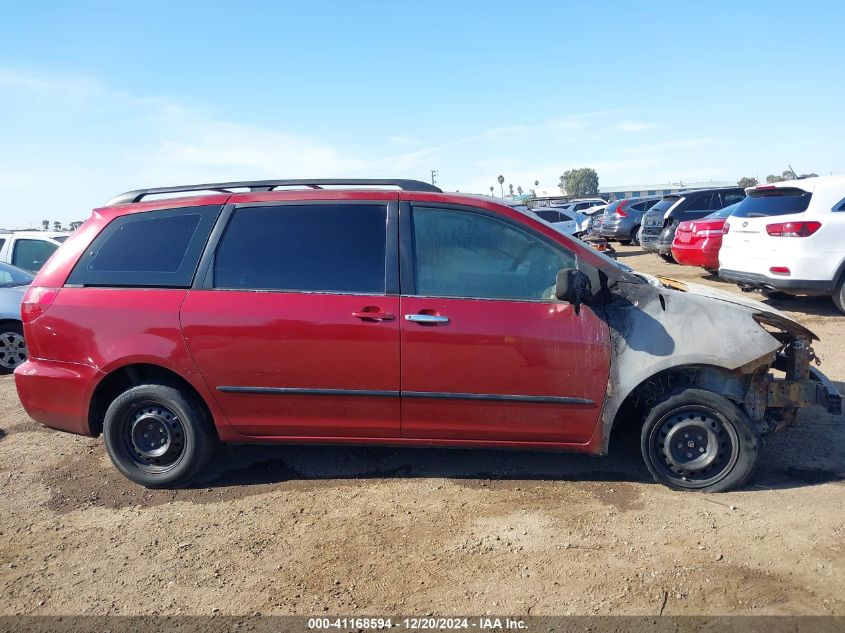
{"x": 29, "y": 249}
{"x": 788, "y": 237}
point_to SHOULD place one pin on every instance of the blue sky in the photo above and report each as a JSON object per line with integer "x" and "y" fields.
{"x": 100, "y": 97}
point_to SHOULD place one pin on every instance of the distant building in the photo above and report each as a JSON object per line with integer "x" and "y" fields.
{"x": 638, "y": 191}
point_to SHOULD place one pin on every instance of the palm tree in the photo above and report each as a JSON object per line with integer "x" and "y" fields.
{"x": 536, "y": 183}
{"x": 519, "y": 190}
{"x": 510, "y": 186}
{"x": 45, "y": 225}
{"x": 501, "y": 180}
{"x": 491, "y": 191}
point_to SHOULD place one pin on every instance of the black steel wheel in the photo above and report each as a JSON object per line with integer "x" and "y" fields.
{"x": 158, "y": 435}
{"x": 699, "y": 440}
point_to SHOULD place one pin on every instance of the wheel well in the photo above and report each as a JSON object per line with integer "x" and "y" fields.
{"x": 5, "y": 321}
{"x": 632, "y": 412}
{"x": 130, "y": 376}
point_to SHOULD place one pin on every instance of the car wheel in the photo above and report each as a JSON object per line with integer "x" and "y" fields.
{"x": 776, "y": 295}
{"x": 12, "y": 347}
{"x": 635, "y": 238}
{"x": 839, "y": 295}
{"x": 698, "y": 440}
{"x": 158, "y": 436}
{"x": 667, "y": 258}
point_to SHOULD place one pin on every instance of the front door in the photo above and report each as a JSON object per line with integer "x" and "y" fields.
{"x": 295, "y": 332}
{"x": 488, "y": 353}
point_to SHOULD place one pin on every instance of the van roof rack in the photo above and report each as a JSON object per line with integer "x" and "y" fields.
{"x": 269, "y": 185}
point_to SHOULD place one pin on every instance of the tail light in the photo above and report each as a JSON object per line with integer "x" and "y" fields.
{"x": 780, "y": 270}
{"x": 793, "y": 229}
{"x": 620, "y": 210}
{"x": 36, "y": 301}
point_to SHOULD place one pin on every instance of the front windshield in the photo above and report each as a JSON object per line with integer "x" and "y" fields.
{"x": 11, "y": 276}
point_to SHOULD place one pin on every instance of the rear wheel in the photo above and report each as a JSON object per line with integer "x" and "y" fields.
{"x": 839, "y": 295}
{"x": 699, "y": 440}
{"x": 158, "y": 435}
{"x": 12, "y": 347}
{"x": 667, "y": 258}
{"x": 635, "y": 237}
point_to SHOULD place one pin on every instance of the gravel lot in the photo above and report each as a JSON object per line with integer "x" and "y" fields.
{"x": 305, "y": 530}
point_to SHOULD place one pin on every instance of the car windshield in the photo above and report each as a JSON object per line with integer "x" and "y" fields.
{"x": 10, "y": 276}
{"x": 722, "y": 213}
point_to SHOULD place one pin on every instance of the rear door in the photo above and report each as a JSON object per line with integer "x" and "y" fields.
{"x": 294, "y": 325}
{"x": 488, "y": 353}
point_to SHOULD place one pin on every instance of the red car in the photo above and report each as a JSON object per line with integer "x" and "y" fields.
{"x": 283, "y": 311}
{"x": 697, "y": 242}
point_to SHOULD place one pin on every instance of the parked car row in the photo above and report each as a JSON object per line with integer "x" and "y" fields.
{"x": 782, "y": 239}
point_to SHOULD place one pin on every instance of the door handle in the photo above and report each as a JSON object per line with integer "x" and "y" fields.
{"x": 371, "y": 313}
{"x": 427, "y": 319}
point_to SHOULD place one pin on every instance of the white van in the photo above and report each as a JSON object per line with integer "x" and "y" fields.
{"x": 29, "y": 249}
{"x": 788, "y": 237}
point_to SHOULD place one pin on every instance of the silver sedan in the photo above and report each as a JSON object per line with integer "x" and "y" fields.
{"x": 13, "y": 284}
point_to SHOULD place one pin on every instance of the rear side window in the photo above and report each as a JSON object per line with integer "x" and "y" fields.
{"x": 701, "y": 203}
{"x": 32, "y": 254}
{"x": 152, "y": 249}
{"x": 549, "y": 216}
{"x": 773, "y": 202}
{"x": 732, "y": 198}
{"x": 305, "y": 248}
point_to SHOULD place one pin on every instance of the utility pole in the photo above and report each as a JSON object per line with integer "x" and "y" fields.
{"x": 434, "y": 174}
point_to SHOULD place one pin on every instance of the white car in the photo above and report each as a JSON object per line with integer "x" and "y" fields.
{"x": 562, "y": 220}
{"x": 29, "y": 249}
{"x": 788, "y": 238}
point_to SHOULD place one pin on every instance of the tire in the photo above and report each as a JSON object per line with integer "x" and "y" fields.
{"x": 635, "y": 240}
{"x": 776, "y": 295}
{"x": 667, "y": 258}
{"x": 12, "y": 347}
{"x": 839, "y": 295}
{"x": 171, "y": 415}
{"x": 713, "y": 448}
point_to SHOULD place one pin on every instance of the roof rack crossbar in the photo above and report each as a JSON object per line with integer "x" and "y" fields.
{"x": 269, "y": 185}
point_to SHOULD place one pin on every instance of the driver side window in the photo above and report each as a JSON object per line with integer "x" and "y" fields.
{"x": 465, "y": 254}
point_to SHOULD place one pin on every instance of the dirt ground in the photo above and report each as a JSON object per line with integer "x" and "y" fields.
{"x": 305, "y": 530}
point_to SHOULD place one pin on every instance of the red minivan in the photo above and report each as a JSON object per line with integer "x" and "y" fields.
{"x": 388, "y": 312}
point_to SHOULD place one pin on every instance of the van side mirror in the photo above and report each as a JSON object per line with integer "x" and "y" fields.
{"x": 573, "y": 286}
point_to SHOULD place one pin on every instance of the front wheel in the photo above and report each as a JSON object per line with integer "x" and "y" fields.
{"x": 698, "y": 440}
{"x": 158, "y": 436}
{"x": 667, "y": 258}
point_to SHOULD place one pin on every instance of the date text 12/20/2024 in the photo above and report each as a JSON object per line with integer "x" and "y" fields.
{"x": 485, "y": 623}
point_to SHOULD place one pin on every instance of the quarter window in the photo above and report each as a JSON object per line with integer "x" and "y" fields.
{"x": 465, "y": 254}
{"x": 309, "y": 248}
{"x": 150, "y": 249}
{"x": 700, "y": 203}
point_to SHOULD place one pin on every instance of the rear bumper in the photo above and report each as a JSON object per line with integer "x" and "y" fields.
{"x": 655, "y": 245}
{"x": 619, "y": 230}
{"x": 696, "y": 256}
{"x": 57, "y": 394}
{"x": 787, "y": 284}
